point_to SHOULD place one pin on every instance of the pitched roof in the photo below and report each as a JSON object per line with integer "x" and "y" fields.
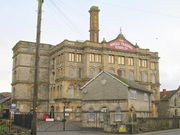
{"x": 169, "y": 94}
{"x": 5, "y": 95}
{"x": 4, "y": 100}
{"x": 129, "y": 83}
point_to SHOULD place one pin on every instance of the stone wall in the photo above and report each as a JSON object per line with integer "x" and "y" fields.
{"x": 154, "y": 124}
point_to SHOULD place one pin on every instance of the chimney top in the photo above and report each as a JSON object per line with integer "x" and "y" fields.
{"x": 164, "y": 92}
{"x": 94, "y": 8}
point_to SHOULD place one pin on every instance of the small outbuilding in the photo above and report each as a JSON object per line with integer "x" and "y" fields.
{"x": 169, "y": 105}
{"x": 108, "y": 96}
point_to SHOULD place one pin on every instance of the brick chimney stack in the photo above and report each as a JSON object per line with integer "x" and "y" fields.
{"x": 164, "y": 92}
{"x": 94, "y": 24}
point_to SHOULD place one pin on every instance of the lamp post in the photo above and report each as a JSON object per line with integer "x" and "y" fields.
{"x": 66, "y": 103}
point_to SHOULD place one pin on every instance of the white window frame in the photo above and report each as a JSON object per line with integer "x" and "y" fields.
{"x": 91, "y": 115}
{"x": 117, "y": 115}
{"x": 133, "y": 94}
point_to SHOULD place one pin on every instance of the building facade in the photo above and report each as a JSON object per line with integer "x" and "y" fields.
{"x": 117, "y": 96}
{"x": 169, "y": 105}
{"x": 67, "y": 66}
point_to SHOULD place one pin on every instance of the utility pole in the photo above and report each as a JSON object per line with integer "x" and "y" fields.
{"x": 36, "y": 74}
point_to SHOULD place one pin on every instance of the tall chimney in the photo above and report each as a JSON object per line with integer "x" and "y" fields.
{"x": 94, "y": 24}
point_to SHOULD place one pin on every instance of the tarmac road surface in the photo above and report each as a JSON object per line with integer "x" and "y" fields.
{"x": 164, "y": 132}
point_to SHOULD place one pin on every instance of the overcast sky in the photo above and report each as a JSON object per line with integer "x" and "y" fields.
{"x": 153, "y": 24}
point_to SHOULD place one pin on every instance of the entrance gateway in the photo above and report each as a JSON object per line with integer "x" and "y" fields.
{"x": 74, "y": 121}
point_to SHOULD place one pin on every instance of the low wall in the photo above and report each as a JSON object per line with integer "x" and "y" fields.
{"x": 154, "y": 124}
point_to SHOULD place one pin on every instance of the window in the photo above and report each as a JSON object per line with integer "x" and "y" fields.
{"x": 91, "y": 57}
{"x": 145, "y": 77}
{"x": 153, "y": 65}
{"x": 144, "y": 63}
{"x": 121, "y": 73}
{"x": 102, "y": 113}
{"x": 79, "y": 73}
{"x": 118, "y": 115}
{"x": 153, "y": 78}
{"x": 98, "y": 71}
{"x": 98, "y": 58}
{"x": 91, "y": 73}
{"x": 145, "y": 97}
{"x": 71, "y": 57}
{"x": 75, "y": 57}
{"x": 121, "y": 60}
{"x": 71, "y": 73}
{"x": 95, "y": 58}
{"x": 140, "y": 76}
{"x": 130, "y": 61}
{"x": 131, "y": 75}
{"x": 132, "y": 94}
{"x": 111, "y": 59}
{"x": 78, "y": 57}
{"x": 91, "y": 114}
{"x": 71, "y": 91}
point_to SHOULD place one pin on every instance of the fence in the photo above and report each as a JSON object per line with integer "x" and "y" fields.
{"x": 5, "y": 126}
{"x": 23, "y": 120}
{"x": 93, "y": 121}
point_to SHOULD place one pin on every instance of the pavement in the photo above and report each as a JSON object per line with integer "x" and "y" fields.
{"x": 162, "y": 132}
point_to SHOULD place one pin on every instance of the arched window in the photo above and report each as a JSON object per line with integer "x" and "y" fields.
{"x": 153, "y": 78}
{"x": 140, "y": 76}
{"x": 91, "y": 73}
{"x": 145, "y": 77}
{"x": 71, "y": 73}
{"x": 71, "y": 91}
{"x": 118, "y": 114}
{"x": 121, "y": 72}
{"x": 91, "y": 114}
{"x": 131, "y": 75}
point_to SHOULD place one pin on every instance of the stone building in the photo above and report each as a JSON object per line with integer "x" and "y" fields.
{"x": 117, "y": 96}
{"x": 169, "y": 105}
{"x": 5, "y": 104}
{"x": 67, "y": 66}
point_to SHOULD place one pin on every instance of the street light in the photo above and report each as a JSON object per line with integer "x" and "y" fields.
{"x": 66, "y": 103}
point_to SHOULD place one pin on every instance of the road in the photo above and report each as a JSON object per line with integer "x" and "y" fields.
{"x": 165, "y": 132}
